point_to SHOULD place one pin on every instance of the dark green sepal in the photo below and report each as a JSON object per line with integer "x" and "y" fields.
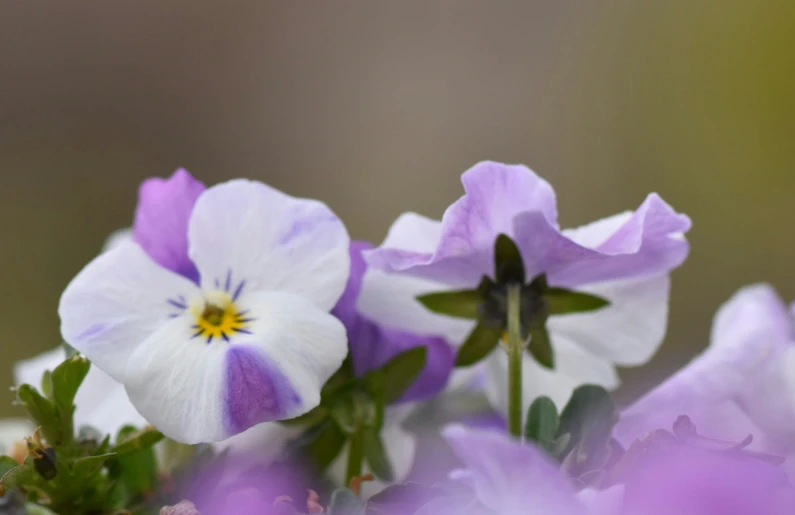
{"x": 540, "y": 347}
{"x": 563, "y": 302}
{"x": 480, "y": 342}
{"x": 508, "y": 263}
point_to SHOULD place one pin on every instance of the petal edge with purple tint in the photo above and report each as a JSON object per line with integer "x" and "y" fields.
{"x": 161, "y": 220}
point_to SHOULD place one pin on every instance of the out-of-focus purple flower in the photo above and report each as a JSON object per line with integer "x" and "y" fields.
{"x": 510, "y": 478}
{"x": 251, "y": 341}
{"x": 691, "y": 482}
{"x": 235, "y": 486}
{"x": 372, "y": 345}
{"x": 743, "y": 383}
{"x": 625, "y": 258}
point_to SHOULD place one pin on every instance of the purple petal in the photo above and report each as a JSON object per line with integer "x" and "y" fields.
{"x": 509, "y": 477}
{"x": 701, "y": 483}
{"x": 514, "y": 201}
{"x": 255, "y": 390}
{"x": 372, "y": 345}
{"x": 494, "y": 194}
{"x": 345, "y": 309}
{"x": 720, "y": 388}
{"x": 161, "y": 220}
{"x": 649, "y": 243}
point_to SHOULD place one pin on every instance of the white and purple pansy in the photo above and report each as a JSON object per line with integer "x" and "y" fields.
{"x": 625, "y": 258}
{"x": 216, "y": 316}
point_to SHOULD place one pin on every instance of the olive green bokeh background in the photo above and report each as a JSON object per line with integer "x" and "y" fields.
{"x": 377, "y": 107}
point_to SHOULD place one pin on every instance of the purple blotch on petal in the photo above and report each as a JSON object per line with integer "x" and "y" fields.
{"x": 255, "y": 390}
{"x": 161, "y": 220}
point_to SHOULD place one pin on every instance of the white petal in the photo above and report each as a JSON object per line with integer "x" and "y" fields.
{"x": 262, "y": 443}
{"x": 116, "y": 238}
{"x": 13, "y": 430}
{"x": 194, "y": 391}
{"x": 628, "y": 331}
{"x": 247, "y": 231}
{"x": 116, "y": 302}
{"x": 595, "y": 233}
{"x": 176, "y": 383}
{"x": 391, "y": 300}
{"x": 573, "y": 367}
{"x": 414, "y": 232}
{"x": 30, "y": 371}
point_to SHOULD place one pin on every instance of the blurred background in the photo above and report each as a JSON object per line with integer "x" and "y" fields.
{"x": 377, "y": 108}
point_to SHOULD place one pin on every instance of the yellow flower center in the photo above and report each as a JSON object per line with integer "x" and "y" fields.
{"x": 217, "y": 317}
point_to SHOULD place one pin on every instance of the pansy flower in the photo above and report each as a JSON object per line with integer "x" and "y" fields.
{"x": 215, "y": 318}
{"x": 742, "y": 384}
{"x": 625, "y": 259}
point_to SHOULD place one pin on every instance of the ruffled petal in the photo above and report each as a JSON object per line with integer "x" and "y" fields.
{"x": 509, "y": 477}
{"x": 495, "y": 194}
{"x": 161, "y": 220}
{"x": 101, "y": 402}
{"x": 194, "y": 391}
{"x": 246, "y": 237}
{"x": 628, "y": 331}
{"x": 573, "y": 367}
{"x": 648, "y": 243}
{"x": 116, "y": 302}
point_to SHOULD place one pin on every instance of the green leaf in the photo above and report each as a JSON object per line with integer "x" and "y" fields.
{"x": 401, "y": 371}
{"x": 17, "y": 476}
{"x": 375, "y": 454}
{"x": 138, "y": 471}
{"x": 343, "y": 411}
{"x": 345, "y": 502}
{"x": 323, "y": 443}
{"x": 46, "y": 384}
{"x": 67, "y": 378}
{"x": 43, "y": 411}
{"x": 70, "y": 351}
{"x": 540, "y": 347}
{"x": 508, "y": 263}
{"x": 542, "y": 422}
{"x": 562, "y": 301}
{"x": 84, "y": 466}
{"x": 131, "y": 441}
{"x": 7, "y": 463}
{"x": 37, "y": 509}
{"x": 480, "y": 342}
{"x": 589, "y": 418}
{"x": 310, "y": 418}
{"x": 459, "y": 304}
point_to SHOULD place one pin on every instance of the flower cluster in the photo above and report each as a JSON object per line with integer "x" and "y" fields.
{"x": 237, "y": 352}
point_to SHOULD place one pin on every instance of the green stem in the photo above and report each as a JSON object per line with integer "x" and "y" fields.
{"x": 515, "y": 351}
{"x": 355, "y": 455}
